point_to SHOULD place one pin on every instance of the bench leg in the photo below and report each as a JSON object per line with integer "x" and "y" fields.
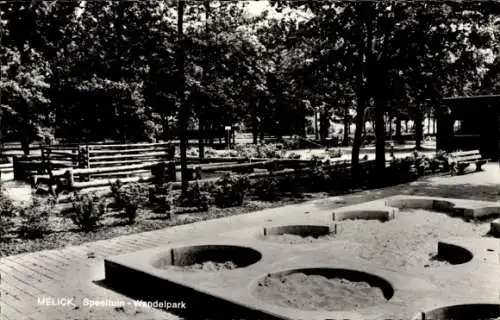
{"x": 479, "y": 166}
{"x": 461, "y": 169}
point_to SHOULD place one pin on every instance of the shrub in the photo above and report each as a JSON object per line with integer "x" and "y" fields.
{"x": 161, "y": 198}
{"x": 292, "y": 144}
{"x": 259, "y": 151}
{"x": 315, "y": 159}
{"x": 116, "y": 193}
{"x": 128, "y": 198}
{"x": 267, "y": 189}
{"x": 270, "y": 151}
{"x": 7, "y": 207}
{"x": 320, "y": 177}
{"x": 229, "y": 191}
{"x": 6, "y": 225}
{"x": 88, "y": 211}
{"x": 335, "y": 153}
{"x": 402, "y": 170}
{"x": 195, "y": 197}
{"x": 442, "y": 161}
{"x": 294, "y": 156}
{"x": 35, "y": 219}
{"x": 133, "y": 196}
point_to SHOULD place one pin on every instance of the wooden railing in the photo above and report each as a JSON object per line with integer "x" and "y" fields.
{"x": 108, "y": 155}
{"x": 167, "y": 171}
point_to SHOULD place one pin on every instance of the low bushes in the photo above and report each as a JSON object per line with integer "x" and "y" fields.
{"x": 87, "y": 211}
{"x": 267, "y": 189}
{"x": 195, "y": 197}
{"x": 229, "y": 191}
{"x": 35, "y": 219}
{"x": 334, "y": 153}
{"x": 128, "y": 198}
{"x": 417, "y": 165}
{"x": 161, "y": 198}
{"x": 6, "y": 226}
{"x": 272, "y": 150}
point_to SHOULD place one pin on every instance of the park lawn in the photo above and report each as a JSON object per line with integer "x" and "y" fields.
{"x": 64, "y": 233}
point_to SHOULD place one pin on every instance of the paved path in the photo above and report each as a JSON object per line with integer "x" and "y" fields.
{"x": 72, "y": 272}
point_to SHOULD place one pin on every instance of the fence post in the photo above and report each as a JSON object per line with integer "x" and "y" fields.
{"x": 75, "y": 158}
{"x": 172, "y": 173}
{"x": 198, "y": 173}
{"x": 158, "y": 173}
{"x": 70, "y": 179}
{"x": 87, "y": 153}
{"x": 15, "y": 167}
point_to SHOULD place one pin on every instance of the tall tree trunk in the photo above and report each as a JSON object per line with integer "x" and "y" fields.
{"x": 381, "y": 98}
{"x": 345, "y": 141}
{"x": 428, "y": 124}
{"x": 398, "y": 129}
{"x": 25, "y": 139}
{"x": 323, "y": 125}
{"x": 201, "y": 117}
{"x": 166, "y": 128}
{"x": 364, "y": 50}
{"x": 419, "y": 128}
{"x": 281, "y": 122}
{"x": 183, "y": 112}
{"x": 316, "y": 129}
{"x": 255, "y": 121}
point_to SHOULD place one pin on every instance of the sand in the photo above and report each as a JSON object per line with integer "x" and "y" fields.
{"x": 295, "y": 239}
{"x": 207, "y": 266}
{"x": 410, "y": 240}
{"x": 315, "y": 292}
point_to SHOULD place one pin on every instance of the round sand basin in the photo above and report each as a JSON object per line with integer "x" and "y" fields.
{"x": 323, "y": 289}
{"x": 299, "y": 234}
{"x": 463, "y": 312}
{"x": 207, "y": 258}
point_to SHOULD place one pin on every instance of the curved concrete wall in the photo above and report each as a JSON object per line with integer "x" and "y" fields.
{"x": 486, "y": 212}
{"x": 462, "y": 312}
{"x": 495, "y": 228}
{"x": 453, "y": 254}
{"x": 422, "y": 203}
{"x": 348, "y": 274}
{"x": 185, "y": 256}
{"x": 299, "y": 230}
{"x": 382, "y": 215}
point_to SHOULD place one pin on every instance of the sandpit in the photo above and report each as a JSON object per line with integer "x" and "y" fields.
{"x": 485, "y": 311}
{"x": 207, "y": 266}
{"x": 316, "y": 292}
{"x": 295, "y": 239}
{"x": 205, "y": 258}
{"x": 299, "y": 234}
{"x": 410, "y": 240}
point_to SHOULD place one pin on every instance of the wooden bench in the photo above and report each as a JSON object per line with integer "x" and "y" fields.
{"x": 463, "y": 159}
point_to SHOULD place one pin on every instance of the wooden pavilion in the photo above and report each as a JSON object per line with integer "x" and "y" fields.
{"x": 469, "y": 123}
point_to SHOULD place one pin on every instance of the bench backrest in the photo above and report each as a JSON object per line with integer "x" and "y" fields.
{"x": 467, "y": 155}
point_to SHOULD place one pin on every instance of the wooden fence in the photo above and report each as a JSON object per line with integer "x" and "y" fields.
{"x": 6, "y": 168}
{"x": 76, "y": 156}
{"x": 108, "y": 155}
{"x": 168, "y": 171}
